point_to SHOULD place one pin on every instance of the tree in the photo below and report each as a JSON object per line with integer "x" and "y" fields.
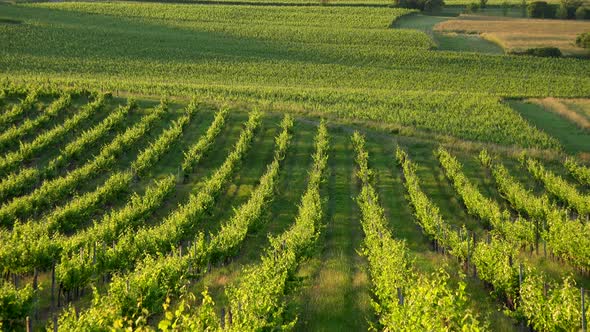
{"x": 582, "y": 13}
{"x": 562, "y": 12}
{"x": 505, "y": 8}
{"x": 472, "y": 7}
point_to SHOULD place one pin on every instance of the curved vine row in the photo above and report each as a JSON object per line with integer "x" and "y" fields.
{"x": 19, "y": 183}
{"x": 10, "y": 136}
{"x": 165, "y": 275}
{"x": 406, "y": 300}
{"x": 178, "y": 225}
{"x": 51, "y": 191}
{"x": 12, "y": 160}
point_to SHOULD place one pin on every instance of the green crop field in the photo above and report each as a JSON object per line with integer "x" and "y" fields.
{"x": 269, "y": 165}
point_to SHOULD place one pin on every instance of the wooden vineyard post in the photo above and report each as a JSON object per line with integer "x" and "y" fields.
{"x": 520, "y": 276}
{"x": 468, "y": 253}
{"x": 583, "y": 309}
{"x": 94, "y": 254}
{"x": 55, "y": 323}
{"x": 474, "y": 269}
{"x": 544, "y": 242}
{"x": 400, "y": 296}
{"x": 53, "y": 285}
{"x": 537, "y": 235}
{"x": 222, "y": 318}
{"x": 29, "y": 324}
{"x": 35, "y": 276}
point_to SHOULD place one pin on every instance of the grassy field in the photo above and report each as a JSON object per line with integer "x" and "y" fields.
{"x": 284, "y": 220}
{"x": 446, "y": 41}
{"x": 573, "y": 138}
{"x": 575, "y": 112}
{"x": 518, "y": 35}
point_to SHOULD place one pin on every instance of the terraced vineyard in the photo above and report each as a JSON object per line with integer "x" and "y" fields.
{"x": 197, "y": 215}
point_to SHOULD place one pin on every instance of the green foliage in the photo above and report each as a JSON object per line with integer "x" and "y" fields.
{"x": 540, "y": 9}
{"x": 428, "y": 214}
{"x": 427, "y": 303}
{"x": 15, "y": 304}
{"x": 566, "y": 238}
{"x": 257, "y": 301}
{"x": 558, "y": 310}
{"x": 560, "y": 188}
{"x": 425, "y": 5}
{"x": 334, "y": 60}
{"x": 188, "y": 316}
{"x": 134, "y": 296}
{"x": 198, "y": 150}
{"x": 17, "y": 111}
{"x": 147, "y": 158}
{"x": 505, "y": 8}
{"x": 547, "y": 52}
{"x": 51, "y": 191}
{"x": 519, "y": 232}
{"x": 580, "y": 172}
{"x": 582, "y": 13}
{"x": 16, "y": 184}
{"x": 561, "y": 12}
{"x": 10, "y": 137}
{"x": 11, "y": 161}
{"x": 472, "y": 7}
{"x": 583, "y": 40}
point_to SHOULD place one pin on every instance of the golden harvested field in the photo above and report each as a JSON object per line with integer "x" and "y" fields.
{"x": 518, "y": 34}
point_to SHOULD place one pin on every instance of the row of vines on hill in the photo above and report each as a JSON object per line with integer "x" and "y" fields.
{"x": 545, "y": 305}
{"x": 406, "y": 299}
{"x": 142, "y": 292}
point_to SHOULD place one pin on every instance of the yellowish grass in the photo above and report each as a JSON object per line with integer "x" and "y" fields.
{"x": 582, "y": 106}
{"x": 562, "y": 109}
{"x": 518, "y": 34}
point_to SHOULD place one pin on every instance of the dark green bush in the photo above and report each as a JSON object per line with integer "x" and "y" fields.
{"x": 550, "y": 52}
{"x": 472, "y": 7}
{"x": 583, "y": 40}
{"x": 582, "y": 13}
{"x": 541, "y": 9}
{"x": 562, "y": 12}
{"x": 505, "y": 8}
{"x": 427, "y": 5}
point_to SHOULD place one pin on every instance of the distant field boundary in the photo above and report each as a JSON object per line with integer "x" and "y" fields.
{"x": 556, "y": 106}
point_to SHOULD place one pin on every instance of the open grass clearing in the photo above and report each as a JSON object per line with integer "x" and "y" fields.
{"x": 573, "y": 139}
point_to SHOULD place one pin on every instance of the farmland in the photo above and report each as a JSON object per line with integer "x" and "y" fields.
{"x": 517, "y": 34}
{"x": 286, "y": 165}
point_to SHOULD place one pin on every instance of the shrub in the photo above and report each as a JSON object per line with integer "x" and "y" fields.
{"x": 505, "y": 8}
{"x": 483, "y": 3}
{"x": 427, "y": 5}
{"x": 582, "y": 13}
{"x": 472, "y": 7}
{"x": 561, "y": 12}
{"x": 551, "y": 52}
{"x": 583, "y": 40}
{"x": 540, "y": 9}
